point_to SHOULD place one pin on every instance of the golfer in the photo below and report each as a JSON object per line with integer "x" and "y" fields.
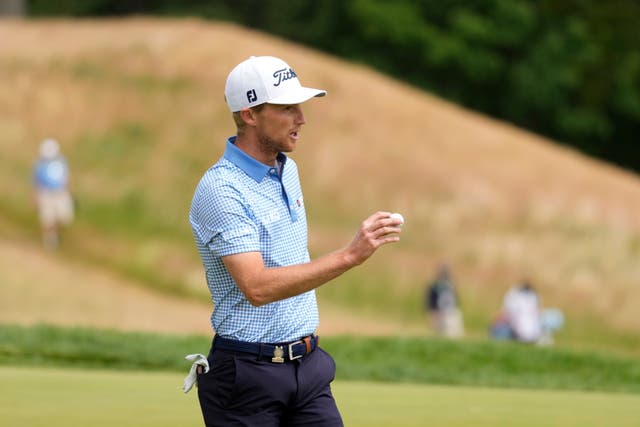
{"x": 249, "y": 224}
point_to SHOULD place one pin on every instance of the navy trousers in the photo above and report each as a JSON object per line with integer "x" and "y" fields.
{"x": 241, "y": 389}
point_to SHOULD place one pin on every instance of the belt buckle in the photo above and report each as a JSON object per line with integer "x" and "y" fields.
{"x": 291, "y": 356}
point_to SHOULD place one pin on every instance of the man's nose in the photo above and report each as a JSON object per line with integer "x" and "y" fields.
{"x": 300, "y": 116}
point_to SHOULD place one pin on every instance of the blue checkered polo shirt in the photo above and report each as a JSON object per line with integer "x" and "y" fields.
{"x": 242, "y": 205}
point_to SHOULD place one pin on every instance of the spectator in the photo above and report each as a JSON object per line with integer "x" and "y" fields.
{"x": 442, "y": 304}
{"x": 523, "y": 319}
{"x": 52, "y": 196}
{"x": 522, "y": 308}
{"x": 520, "y": 317}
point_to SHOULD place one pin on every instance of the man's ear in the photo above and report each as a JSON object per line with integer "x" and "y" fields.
{"x": 248, "y": 116}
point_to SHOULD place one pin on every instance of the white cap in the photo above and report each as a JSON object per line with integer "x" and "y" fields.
{"x": 49, "y": 148}
{"x": 265, "y": 79}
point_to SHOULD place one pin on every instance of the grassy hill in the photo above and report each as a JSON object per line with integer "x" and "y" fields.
{"x": 138, "y": 108}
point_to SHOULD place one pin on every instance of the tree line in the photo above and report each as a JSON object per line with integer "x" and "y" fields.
{"x": 567, "y": 69}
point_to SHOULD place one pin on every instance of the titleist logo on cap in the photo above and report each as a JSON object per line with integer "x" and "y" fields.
{"x": 283, "y": 75}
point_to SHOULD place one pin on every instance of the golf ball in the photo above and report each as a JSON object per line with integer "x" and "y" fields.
{"x": 398, "y": 216}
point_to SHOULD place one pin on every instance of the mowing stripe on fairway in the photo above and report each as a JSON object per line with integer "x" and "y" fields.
{"x": 38, "y": 397}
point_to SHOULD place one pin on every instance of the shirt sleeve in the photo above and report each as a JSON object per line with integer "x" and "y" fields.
{"x": 222, "y": 219}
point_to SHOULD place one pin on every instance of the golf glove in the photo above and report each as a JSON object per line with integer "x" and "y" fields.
{"x": 198, "y": 360}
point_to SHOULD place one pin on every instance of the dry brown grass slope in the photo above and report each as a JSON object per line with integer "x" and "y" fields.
{"x": 496, "y": 202}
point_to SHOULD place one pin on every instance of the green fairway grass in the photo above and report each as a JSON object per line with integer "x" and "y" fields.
{"x": 54, "y": 397}
{"x": 415, "y": 405}
{"x": 38, "y": 397}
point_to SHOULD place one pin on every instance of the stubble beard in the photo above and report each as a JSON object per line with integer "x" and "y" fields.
{"x": 270, "y": 146}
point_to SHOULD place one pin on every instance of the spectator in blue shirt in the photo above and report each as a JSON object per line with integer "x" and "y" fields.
{"x": 249, "y": 224}
{"x": 52, "y": 195}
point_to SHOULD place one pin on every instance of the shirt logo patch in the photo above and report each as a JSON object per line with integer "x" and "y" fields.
{"x": 273, "y": 217}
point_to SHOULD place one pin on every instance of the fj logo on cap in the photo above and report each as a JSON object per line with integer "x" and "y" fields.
{"x": 251, "y": 95}
{"x": 283, "y": 75}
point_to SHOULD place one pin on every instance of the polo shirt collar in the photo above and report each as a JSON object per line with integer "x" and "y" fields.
{"x": 255, "y": 169}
